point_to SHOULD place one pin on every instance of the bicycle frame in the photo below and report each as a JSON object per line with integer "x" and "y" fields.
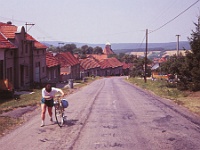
{"x": 59, "y": 111}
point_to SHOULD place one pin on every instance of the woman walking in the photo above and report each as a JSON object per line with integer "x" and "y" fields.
{"x": 48, "y": 93}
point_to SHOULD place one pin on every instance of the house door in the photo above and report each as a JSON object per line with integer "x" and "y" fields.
{"x": 37, "y": 72}
{"x": 22, "y": 74}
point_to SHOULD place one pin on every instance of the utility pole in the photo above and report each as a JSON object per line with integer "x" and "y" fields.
{"x": 177, "y": 47}
{"x": 28, "y": 24}
{"x": 145, "y": 59}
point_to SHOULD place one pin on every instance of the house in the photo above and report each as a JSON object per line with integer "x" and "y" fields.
{"x": 52, "y": 68}
{"x": 26, "y": 63}
{"x": 101, "y": 65}
{"x": 7, "y": 50}
{"x": 110, "y": 66}
{"x": 155, "y": 69}
{"x": 107, "y": 50}
{"x": 90, "y": 66}
{"x": 126, "y": 68}
{"x": 70, "y": 66}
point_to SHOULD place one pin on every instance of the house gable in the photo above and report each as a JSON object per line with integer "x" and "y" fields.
{"x": 89, "y": 63}
{"x": 67, "y": 59}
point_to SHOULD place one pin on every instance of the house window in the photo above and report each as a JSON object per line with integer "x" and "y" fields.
{"x": 26, "y": 70}
{"x": 37, "y": 64}
{"x": 54, "y": 73}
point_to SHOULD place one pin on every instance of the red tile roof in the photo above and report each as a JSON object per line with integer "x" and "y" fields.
{"x": 89, "y": 63}
{"x": 5, "y": 43}
{"x": 51, "y": 61}
{"x": 67, "y": 59}
{"x": 110, "y": 63}
{"x": 126, "y": 66}
{"x": 97, "y": 56}
{"x": 36, "y": 43}
{"x": 8, "y": 31}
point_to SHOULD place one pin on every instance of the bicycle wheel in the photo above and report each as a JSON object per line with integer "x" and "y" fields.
{"x": 59, "y": 115}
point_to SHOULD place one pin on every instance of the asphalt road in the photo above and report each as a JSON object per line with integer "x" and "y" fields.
{"x": 111, "y": 114}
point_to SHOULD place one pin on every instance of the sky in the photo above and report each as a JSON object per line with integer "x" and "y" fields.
{"x": 102, "y": 21}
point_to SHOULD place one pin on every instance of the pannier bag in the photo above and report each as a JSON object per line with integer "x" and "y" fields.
{"x": 64, "y": 103}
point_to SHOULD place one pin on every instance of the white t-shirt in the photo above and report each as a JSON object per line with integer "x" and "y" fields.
{"x": 51, "y": 94}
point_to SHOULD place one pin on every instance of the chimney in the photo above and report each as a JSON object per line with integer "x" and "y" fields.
{"x": 9, "y": 22}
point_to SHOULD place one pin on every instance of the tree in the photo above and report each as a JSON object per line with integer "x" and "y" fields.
{"x": 193, "y": 58}
{"x": 84, "y": 49}
{"x": 173, "y": 65}
{"x": 51, "y": 48}
{"x": 130, "y": 58}
{"x": 138, "y": 68}
{"x": 69, "y": 48}
{"x": 77, "y": 51}
{"x": 97, "y": 50}
{"x": 120, "y": 56}
{"x": 89, "y": 50}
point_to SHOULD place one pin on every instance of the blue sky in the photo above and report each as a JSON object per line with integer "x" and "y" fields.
{"x": 101, "y": 21}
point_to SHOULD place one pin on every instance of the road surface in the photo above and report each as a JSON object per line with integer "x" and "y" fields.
{"x": 111, "y": 114}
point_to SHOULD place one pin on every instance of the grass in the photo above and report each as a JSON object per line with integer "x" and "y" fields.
{"x": 169, "y": 91}
{"x": 22, "y": 101}
{"x": 159, "y": 87}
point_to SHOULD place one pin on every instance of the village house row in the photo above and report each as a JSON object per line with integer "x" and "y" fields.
{"x": 24, "y": 61}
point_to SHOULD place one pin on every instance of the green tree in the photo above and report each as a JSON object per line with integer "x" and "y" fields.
{"x": 97, "y": 50}
{"x": 77, "y": 51}
{"x": 51, "y": 48}
{"x": 69, "y": 47}
{"x": 193, "y": 58}
{"x": 84, "y": 49}
{"x": 138, "y": 68}
{"x": 120, "y": 56}
{"x": 173, "y": 65}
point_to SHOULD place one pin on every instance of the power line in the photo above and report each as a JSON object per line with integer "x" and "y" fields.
{"x": 164, "y": 12}
{"x": 174, "y": 17}
{"x": 142, "y": 41}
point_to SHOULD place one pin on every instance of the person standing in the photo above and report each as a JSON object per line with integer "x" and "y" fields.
{"x": 47, "y": 102}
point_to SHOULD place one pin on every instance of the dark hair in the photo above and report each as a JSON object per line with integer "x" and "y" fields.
{"x": 48, "y": 87}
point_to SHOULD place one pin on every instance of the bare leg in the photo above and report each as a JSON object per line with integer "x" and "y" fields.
{"x": 43, "y": 107}
{"x": 50, "y": 112}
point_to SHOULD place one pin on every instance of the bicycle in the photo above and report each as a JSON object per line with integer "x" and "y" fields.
{"x": 60, "y": 104}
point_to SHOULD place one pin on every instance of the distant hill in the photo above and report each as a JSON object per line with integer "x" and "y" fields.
{"x": 129, "y": 47}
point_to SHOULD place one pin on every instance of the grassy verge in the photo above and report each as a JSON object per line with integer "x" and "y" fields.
{"x": 30, "y": 99}
{"x": 190, "y": 100}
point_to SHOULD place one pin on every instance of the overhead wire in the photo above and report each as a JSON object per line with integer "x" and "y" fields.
{"x": 175, "y": 17}
{"x": 164, "y": 11}
{"x": 168, "y": 22}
